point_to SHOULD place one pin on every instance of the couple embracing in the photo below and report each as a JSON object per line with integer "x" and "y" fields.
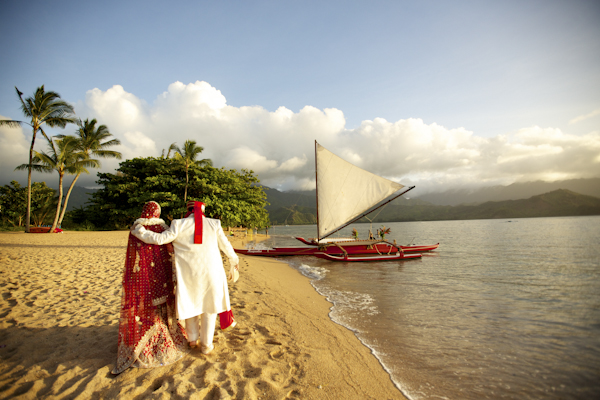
{"x": 158, "y": 293}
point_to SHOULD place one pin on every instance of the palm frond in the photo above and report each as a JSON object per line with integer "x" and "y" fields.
{"x": 107, "y": 154}
{"x": 34, "y": 167}
{"x": 11, "y": 123}
{"x": 91, "y": 140}
{"x": 22, "y": 167}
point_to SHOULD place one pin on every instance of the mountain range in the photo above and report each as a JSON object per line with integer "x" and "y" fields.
{"x": 590, "y": 187}
{"x": 519, "y": 200}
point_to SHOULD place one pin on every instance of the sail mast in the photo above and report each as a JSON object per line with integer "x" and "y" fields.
{"x": 317, "y": 190}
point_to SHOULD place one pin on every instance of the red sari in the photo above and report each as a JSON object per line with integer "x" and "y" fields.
{"x": 149, "y": 333}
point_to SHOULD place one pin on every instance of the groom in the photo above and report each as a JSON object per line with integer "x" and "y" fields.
{"x": 202, "y": 291}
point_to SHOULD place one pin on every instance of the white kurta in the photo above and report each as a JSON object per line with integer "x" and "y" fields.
{"x": 201, "y": 279}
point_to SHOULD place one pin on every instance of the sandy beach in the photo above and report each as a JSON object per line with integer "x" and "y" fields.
{"x": 59, "y": 322}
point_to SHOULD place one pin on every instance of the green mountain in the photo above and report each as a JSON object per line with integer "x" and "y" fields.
{"x": 523, "y": 190}
{"x": 291, "y": 208}
{"x": 278, "y": 199}
{"x": 557, "y": 203}
{"x": 79, "y": 196}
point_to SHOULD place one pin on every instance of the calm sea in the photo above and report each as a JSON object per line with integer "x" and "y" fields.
{"x": 504, "y": 309}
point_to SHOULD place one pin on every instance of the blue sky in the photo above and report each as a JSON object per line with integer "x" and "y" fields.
{"x": 449, "y": 93}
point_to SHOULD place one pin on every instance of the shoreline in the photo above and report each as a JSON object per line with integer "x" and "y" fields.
{"x": 60, "y": 303}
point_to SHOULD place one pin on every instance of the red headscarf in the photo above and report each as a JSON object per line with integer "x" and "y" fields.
{"x": 151, "y": 210}
{"x": 198, "y": 212}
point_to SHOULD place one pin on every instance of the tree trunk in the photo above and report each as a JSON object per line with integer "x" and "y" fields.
{"x": 60, "y": 193}
{"x": 186, "y": 185}
{"x": 28, "y": 216}
{"x": 62, "y": 214}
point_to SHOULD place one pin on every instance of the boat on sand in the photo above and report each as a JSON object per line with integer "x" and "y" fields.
{"x": 43, "y": 229}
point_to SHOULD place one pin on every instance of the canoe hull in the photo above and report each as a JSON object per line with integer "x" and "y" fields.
{"x": 351, "y": 249}
{"x": 42, "y": 229}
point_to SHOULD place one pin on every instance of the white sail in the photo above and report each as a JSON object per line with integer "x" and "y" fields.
{"x": 345, "y": 191}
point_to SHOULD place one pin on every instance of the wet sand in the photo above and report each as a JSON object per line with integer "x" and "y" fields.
{"x": 59, "y": 323}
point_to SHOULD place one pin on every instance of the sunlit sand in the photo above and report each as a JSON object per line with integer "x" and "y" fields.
{"x": 59, "y": 322}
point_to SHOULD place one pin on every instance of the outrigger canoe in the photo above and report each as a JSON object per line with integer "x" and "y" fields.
{"x": 345, "y": 194}
{"x": 353, "y": 248}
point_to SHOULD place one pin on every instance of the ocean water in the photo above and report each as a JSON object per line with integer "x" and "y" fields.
{"x": 504, "y": 309}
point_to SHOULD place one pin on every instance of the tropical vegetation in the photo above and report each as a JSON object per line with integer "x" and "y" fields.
{"x": 42, "y": 109}
{"x": 91, "y": 141}
{"x": 187, "y": 157}
{"x": 13, "y": 204}
{"x": 232, "y": 196}
{"x": 64, "y": 157}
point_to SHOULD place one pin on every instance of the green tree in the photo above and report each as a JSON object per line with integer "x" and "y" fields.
{"x": 13, "y": 206}
{"x": 92, "y": 141}
{"x": 64, "y": 158}
{"x": 136, "y": 182}
{"x": 187, "y": 156}
{"x": 232, "y": 196}
{"x": 44, "y": 108}
{"x": 43, "y": 201}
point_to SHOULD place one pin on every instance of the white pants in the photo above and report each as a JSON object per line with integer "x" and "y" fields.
{"x": 206, "y": 327}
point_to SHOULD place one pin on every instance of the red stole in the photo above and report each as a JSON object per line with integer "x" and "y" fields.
{"x": 198, "y": 214}
{"x": 226, "y": 319}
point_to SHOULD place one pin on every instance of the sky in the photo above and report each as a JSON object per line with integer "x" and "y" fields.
{"x": 435, "y": 94}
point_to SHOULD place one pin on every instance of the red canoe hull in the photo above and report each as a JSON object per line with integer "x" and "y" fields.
{"x": 379, "y": 249}
{"x": 42, "y": 229}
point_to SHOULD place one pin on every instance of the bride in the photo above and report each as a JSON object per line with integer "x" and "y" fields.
{"x": 149, "y": 333}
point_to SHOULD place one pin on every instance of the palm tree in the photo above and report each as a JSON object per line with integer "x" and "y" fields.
{"x": 172, "y": 147}
{"x": 64, "y": 158}
{"x": 91, "y": 143}
{"x": 43, "y": 108}
{"x": 187, "y": 156}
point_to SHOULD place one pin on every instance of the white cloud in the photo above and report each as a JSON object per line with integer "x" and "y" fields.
{"x": 14, "y": 151}
{"x": 293, "y": 164}
{"x": 279, "y": 145}
{"x": 243, "y": 157}
{"x": 584, "y": 117}
{"x": 141, "y": 145}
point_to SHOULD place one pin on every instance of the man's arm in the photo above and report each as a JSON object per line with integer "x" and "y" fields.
{"x": 150, "y": 237}
{"x": 226, "y": 247}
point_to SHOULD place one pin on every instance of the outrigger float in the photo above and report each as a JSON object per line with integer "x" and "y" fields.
{"x": 365, "y": 258}
{"x": 345, "y": 194}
